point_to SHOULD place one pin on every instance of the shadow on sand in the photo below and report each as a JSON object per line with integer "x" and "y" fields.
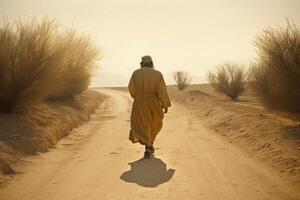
{"x": 148, "y": 172}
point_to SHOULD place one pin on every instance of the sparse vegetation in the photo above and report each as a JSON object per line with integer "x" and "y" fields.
{"x": 182, "y": 79}
{"x": 228, "y": 79}
{"x": 276, "y": 75}
{"x": 41, "y": 59}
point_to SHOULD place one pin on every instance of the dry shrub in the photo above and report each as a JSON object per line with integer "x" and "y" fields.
{"x": 80, "y": 60}
{"x": 41, "y": 59}
{"x": 182, "y": 79}
{"x": 228, "y": 79}
{"x": 276, "y": 75}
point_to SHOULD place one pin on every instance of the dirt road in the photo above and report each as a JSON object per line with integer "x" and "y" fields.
{"x": 98, "y": 162}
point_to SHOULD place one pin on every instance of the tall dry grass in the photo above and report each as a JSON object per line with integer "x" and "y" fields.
{"x": 228, "y": 78}
{"x": 276, "y": 75}
{"x": 182, "y": 79}
{"x": 39, "y": 59}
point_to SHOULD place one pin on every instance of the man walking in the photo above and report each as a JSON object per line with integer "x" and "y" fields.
{"x": 148, "y": 89}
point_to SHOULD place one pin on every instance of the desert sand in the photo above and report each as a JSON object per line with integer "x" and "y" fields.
{"x": 267, "y": 135}
{"x": 97, "y": 161}
{"x": 38, "y": 127}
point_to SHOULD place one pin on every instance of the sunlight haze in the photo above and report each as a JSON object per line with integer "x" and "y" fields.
{"x": 188, "y": 35}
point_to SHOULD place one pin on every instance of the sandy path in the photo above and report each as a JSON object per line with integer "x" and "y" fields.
{"x": 191, "y": 163}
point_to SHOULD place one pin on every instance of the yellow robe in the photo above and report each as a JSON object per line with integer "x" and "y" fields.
{"x": 148, "y": 89}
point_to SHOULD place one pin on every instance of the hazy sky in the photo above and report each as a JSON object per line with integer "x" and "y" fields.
{"x": 189, "y": 35}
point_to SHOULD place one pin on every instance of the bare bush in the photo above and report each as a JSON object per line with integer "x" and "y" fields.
{"x": 36, "y": 59}
{"x": 80, "y": 61}
{"x": 228, "y": 79}
{"x": 182, "y": 79}
{"x": 276, "y": 75}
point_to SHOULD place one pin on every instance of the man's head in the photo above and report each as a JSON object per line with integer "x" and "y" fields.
{"x": 146, "y": 61}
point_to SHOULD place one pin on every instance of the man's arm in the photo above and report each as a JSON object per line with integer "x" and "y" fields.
{"x": 131, "y": 86}
{"x": 163, "y": 95}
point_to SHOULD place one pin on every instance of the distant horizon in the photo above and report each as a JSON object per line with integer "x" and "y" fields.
{"x": 105, "y": 79}
{"x": 191, "y": 35}
{"x": 126, "y": 86}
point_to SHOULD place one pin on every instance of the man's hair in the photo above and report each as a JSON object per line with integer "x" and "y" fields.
{"x": 149, "y": 64}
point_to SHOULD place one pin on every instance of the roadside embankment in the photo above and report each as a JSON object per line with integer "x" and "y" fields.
{"x": 40, "y": 126}
{"x": 273, "y": 138}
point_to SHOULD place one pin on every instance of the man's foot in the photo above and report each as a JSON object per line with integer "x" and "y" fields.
{"x": 147, "y": 154}
{"x": 149, "y": 151}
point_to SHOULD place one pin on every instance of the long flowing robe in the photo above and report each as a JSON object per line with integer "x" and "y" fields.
{"x": 148, "y": 89}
